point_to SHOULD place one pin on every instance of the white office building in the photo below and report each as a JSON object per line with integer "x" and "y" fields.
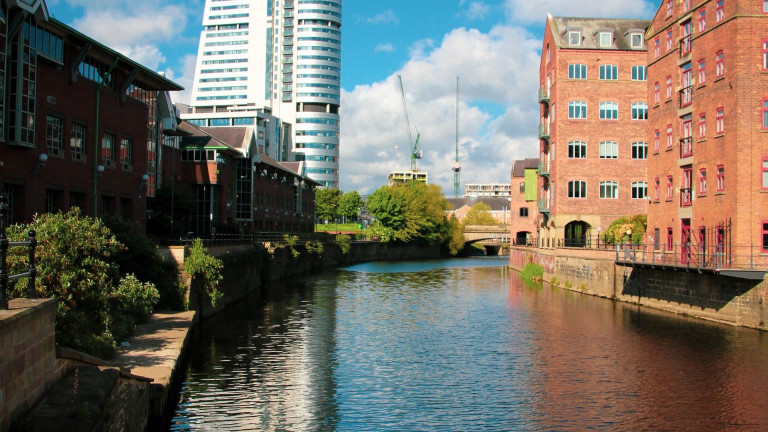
{"x": 281, "y": 59}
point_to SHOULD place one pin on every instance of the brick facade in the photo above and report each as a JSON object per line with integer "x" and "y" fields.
{"x": 557, "y": 130}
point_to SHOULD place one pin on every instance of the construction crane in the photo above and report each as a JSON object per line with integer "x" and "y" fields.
{"x": 457, "y": 164}
{"x": 414, "y": 146}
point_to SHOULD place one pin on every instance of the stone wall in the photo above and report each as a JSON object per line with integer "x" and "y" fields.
{"x": 28, "y": 366}
{"x": 708, "y": 296}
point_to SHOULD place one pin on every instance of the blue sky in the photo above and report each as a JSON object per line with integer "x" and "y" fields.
{"x": 493, "y": 45}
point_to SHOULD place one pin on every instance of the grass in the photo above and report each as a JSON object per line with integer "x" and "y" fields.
{"x": 332, "y": 227}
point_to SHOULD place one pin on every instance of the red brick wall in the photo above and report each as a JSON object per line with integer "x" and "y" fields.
{"x": 519, "y": 223}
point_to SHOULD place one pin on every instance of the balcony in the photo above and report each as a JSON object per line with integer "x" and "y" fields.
{"x": 288, "y": 5}
{"x": 544, "y": 169}
{"x": 543, "y": 206}
{"x": 686, "y": 197}
{"x": 288, "y": 14}
{"x": 686, "y": 96}
{"x": 685, "y": 45}
{"x": 544, "y": 131}
{"x": 686, "y": 147}
{"x": 544, "y": 96}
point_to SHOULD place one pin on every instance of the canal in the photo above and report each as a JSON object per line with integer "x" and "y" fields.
{"x": 465, "y": 345}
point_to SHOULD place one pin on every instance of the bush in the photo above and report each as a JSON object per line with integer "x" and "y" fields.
{"x": 617, "y": 231}
{"x": 344, "y": 242}
{"x": 532, "y": 271}
{"x": 315, "y": 247}
{"x": 204, "y": 270}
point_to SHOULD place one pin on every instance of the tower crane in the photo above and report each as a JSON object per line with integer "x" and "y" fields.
{"x": 457, "y": 164}
{"x": 414, "y": 146}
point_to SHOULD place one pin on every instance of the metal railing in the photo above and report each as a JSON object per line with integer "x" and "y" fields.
{"x": 544, "y": 131}
{"x": 686, "y": 96}
{"x": 543, "y": 95}
{"x": 686, "y": 197}
{"x": 543, "y": 206}
{"x": 686, "y": 147}
{"x": 692, "y": 255}
{"x": 685, "y": 45}
{"x": 5, "y": 244}
{"x": 544, "y": 168}
{"x": 247, "y": 239}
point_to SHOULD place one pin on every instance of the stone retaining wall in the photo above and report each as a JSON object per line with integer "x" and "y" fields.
{"x": 713, "y": 297}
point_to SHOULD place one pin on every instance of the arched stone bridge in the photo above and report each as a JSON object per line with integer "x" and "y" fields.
{"x": 491, "y": 237}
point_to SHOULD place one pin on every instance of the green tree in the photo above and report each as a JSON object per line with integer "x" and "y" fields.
{"x": 350, "y": 204}
{"x": 327, "y": 204}
{"x": 480, "y": 214}
{"x": 410, "y": 212}
{"x": 617, "y": 231}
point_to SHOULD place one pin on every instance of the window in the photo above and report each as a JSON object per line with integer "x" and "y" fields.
{"x": 685, "y": 38}
{"x": 609, "y": 190}
{"x": 702, "y": 20}
{"x": 686, "y": 5}
{"x": 639, "y": 190}
{"x": 669, "y": 136}
{"x": 721, "y": 178}
{"x": 108, "y": 149}
{"x": 549, "y": 54}
{"x": 702, "y": 72}
{"x": 609, "y": 150}
{"x": 719, "y": 11}
{"x": 765, "y": 236}
{"x": 720, "y": 64}
{"x": 639, "y": 111}
{"x": 609, "y": 110}
{"x": 670, "y": 7}
{"x": 669, "y": 87}
{"x": 656, "y": 189}
{"x": 765, "y": 55}
{"x": 577, "y": 189}
{"x": 636, "y": 40}
{"x": 606, "y": 39}
{"x": 577, "y": 110}
{"x": 574, "y": 38}
{"x": 670, "y": 188}
{"x": 670, "y": 241}
{"x": 77, "y": 142}
{"x": 669, "y": 39}
{"x": 126, "y": 151}
{"x": 720, "y": 121}
{"x": 686, "y": 191}
{"x": 702, "y": 125}
{"x": 656, "y": 141}
{"x": 703, "y": 181}
{"x": 577, "y": 150}
{"x": 639, "y": 150}
{"x": 609, "y": 72}
{"x": 765, "y": 6}
{"x": 522, "y": 187}
{"x": 764, "y": 171}
{"x": 656, "y": 47}
{"x": 765, "y": 113}
{"x": 54, "y": 136}
{"x": 523, "y": 211}
{"x": 552, "y": 114}
{"x": 577, "y": 71}
{"x": 656, "y": 94}
{"x": 639, "y": 73}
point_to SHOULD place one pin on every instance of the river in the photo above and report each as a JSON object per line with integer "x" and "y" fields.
{"x": 465, "y": 345}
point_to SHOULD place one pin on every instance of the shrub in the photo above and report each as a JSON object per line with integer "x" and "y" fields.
{"x": 204, "y": 271}
{"x": 617, "y": 231}
{"x": 344, "y": 242}
{"x": 554, "y": 282}
{"x": 290, "y": 242}
{"x": 532, "y": 271}
{"x": 315, "y": 247}
{"x": 568, "y": 284}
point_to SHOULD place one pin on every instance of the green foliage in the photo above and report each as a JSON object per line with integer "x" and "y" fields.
{"x": 350, "y": 204}
{"x": 316, "y": 248}
{"x": 554, "y": 282}
{"x": 347, "y": 227}
{"x": 456, "y": 236}
{"x": 410, "y": 212}
{"x": 532, "y": 271}
{"x": 290, "y": 242}
{"x": 617, "y": 231}
{"x": 568, "y": 284}
{"x": 77, "y": 264}
{"x": 159, "y": 224}
{"x": 204, "y": 270}
{"x": 480, "y": 214}
{"x": 583, "y": 287}
{"x": 327, "y": 203}
{"x": 344, "y": 242}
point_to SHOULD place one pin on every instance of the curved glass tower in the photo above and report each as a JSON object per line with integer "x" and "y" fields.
{"x": 284, "y": 56}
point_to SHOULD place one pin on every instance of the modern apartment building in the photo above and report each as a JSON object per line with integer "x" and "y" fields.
{"x": 593, "y": 139}
{"x": 284, "y": 57}
{"x": 523, "y": 200}
{"x": 708, "y": 163}
{"x": 474, "y": 190}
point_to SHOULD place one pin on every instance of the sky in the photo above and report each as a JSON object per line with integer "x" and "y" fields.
{"x": 494, "y": 46}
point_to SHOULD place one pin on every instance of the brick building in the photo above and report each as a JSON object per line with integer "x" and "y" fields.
{"x": 500, "y": 208}
{"x": 523, "y": 200}
{"x": 80, "y": 124}
{"x": 593, "y": 145}
{"x": 708, "y": 125}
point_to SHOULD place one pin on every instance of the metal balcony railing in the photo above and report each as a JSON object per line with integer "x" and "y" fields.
{"x": 544, "y": 95}
{"x": 544, "y": 131}
{"x": 686, "y": 197}
{"x": 686, "y": 96}
{"x": 686, "y": 147}
{"x": 544, "y": 169}
{"x": 685, "y": 45}
{"x": 543, "y": 206}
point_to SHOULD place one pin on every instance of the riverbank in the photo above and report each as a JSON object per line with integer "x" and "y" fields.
{"x": 713, "y": 297}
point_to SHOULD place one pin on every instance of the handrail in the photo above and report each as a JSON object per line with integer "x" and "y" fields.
{"x": 31, "y": 244}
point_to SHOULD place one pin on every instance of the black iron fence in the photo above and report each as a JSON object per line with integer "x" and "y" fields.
{"x": 5, "y": 244}
{"x": 719, "y": 256}
{"x": 251, "y": 238}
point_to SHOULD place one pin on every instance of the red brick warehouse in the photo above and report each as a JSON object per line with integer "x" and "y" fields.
{"x": 80, "y": 122}
{"x": 708, "y": 83}
{"x": 593, "y": 145}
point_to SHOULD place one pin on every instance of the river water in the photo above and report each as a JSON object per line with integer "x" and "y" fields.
{"x": 465, "y": 345}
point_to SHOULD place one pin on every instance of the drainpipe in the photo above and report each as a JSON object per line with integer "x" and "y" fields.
{"x": 96, "y": 146}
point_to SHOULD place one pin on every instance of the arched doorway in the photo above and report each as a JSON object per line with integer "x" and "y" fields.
{"x": 522, "y": 238}
{"x": 576, "y": 234}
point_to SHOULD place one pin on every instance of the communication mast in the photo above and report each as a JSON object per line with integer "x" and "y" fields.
{"x": 457, "y": 164}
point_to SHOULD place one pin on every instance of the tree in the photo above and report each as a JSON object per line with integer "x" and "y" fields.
{"x": 480, "y": 214}
{"x": 350, "y": 204}
{"x": 327, "y": 204}
{"x": 412, "y": 212}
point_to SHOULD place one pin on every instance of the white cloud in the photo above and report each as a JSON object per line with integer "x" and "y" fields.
{"x": 373, "y": 121}
{"x": 536, "y": 11}
{"x": 385, "y": 47}
{"x": 386, "y": 17}
{"x": 134, "y": 24}
{"x": 477, "y": 10}
{"x": 186, "y": 79}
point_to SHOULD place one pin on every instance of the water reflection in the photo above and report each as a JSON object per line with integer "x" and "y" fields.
{"x": 440, "y": 346}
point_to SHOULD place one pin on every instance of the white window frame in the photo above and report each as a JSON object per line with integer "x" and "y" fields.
{"x": 609, "y": 72}
{"x": 639, "y": 188}
{"x": 609, "y": 189}
{"x": 639, "y": 108}
{"x": 632, "y": 37}
{"x": 577, "y": 71}
{"x": 582, "y": 149}
{"x": 609, "y": 150}
{"x": 571, "y": 34}
{"x": 577, "y": 189}
{"x": 639, "y": 150}
{"x": 577, "y": 107}
{"x": 609, "y": 110}
{"x": 601, "y": 39}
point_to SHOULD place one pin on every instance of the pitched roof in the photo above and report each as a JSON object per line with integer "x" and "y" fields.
{"x": 494, "y": 203}
{"x": 589, "y": 28}
{"x": 518, "y": 169}
{"x": 198, "y": 137}
{"x": 237, "y": 137}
